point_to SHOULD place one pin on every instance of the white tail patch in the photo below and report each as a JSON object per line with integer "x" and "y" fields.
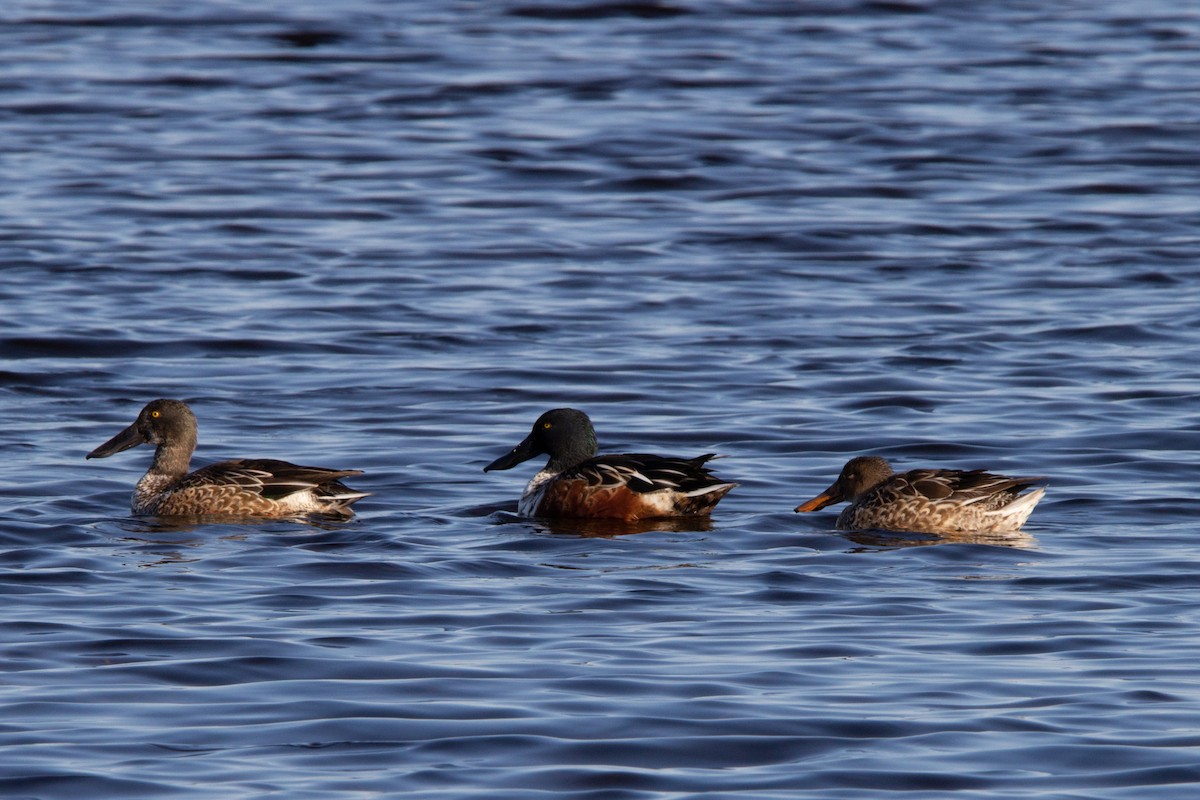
{"x": 1020, "y": 509}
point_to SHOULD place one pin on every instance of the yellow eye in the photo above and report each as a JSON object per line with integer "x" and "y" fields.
{"x": 547, "y": 425}
{"x": 155, "y": 414}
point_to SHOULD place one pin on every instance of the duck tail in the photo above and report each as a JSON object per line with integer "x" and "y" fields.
{"x": 1020, "y": 508}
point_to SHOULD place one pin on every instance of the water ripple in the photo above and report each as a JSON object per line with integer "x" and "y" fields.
{"x": 388, "y": 238}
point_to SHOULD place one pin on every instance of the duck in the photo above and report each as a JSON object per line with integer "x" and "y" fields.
{"x": 256, "y": 487}
{"x": 630, "y": 486}
{"x": 928, "y": 500}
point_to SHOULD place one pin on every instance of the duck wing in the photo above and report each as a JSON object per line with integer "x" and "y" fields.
{"x": 268, "y": 477}
{"x": 962, "y": 487}
{"x": 644, "y": 473}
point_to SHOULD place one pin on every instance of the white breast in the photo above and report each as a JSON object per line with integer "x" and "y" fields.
{"x": 532, "y": 497}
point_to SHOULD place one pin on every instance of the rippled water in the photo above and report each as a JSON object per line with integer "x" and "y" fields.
{"x": 386, "y": 235}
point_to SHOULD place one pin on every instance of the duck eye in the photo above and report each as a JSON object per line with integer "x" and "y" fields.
{"x": 156, "y": 414}
{"x": 547, "y": 425}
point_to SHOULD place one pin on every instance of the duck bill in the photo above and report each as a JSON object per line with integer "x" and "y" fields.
{"x": 130, "y": 437}
{"x": 825, "y": 498}
{"x": 522, "y": 452}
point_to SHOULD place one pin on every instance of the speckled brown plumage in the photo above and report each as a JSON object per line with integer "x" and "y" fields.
{"x": 238, "y": 488}
{"x": 928, "y": 500}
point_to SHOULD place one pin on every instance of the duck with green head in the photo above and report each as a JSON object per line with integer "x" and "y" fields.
{"x": 578, "y": 483}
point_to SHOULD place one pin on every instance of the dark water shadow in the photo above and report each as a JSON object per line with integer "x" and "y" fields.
{"x": 153, "y": 526}
{"x": 605, "y": 528}
{"x": 163, "y": 541}
{"x": 608, "y": 528}
{"x": 876, "y": 538}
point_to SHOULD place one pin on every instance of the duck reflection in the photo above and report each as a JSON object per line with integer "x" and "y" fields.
{"x": 882, "y": 538}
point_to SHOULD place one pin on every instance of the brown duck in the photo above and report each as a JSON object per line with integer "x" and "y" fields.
{"x": 928, "y": 500}
{"x": 240, "y": 488}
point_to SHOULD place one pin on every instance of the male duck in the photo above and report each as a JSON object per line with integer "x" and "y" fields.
{"x": 577, "y": 483}
{"x": 241, "y": 488}
{"x": 927, "y": 500}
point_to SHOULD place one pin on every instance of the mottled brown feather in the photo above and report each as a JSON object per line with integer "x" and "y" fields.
{"x": 928, "y": 500}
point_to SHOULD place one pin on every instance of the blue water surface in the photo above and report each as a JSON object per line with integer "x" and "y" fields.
{"x": 387, "y": 235}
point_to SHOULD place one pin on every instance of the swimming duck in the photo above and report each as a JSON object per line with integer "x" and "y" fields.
{"x": 578, "y": 483}
{"x": 927, "y": 500}
{"x": 242, "y": 487}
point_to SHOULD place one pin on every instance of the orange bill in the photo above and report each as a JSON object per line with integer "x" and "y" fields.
{"x": 818, "y": 502}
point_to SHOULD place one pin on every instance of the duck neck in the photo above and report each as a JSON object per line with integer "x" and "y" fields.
{"x": 172, "y": 458}
{"x": 572, "y": 454}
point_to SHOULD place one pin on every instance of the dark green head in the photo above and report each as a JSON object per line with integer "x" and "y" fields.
{"x": 565, "y": 434}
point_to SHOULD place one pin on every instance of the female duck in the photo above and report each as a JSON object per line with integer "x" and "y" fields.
{"x": 927, "y": 500}
{"x": 240, "y": 488}
{"x": 577, "y": 483}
